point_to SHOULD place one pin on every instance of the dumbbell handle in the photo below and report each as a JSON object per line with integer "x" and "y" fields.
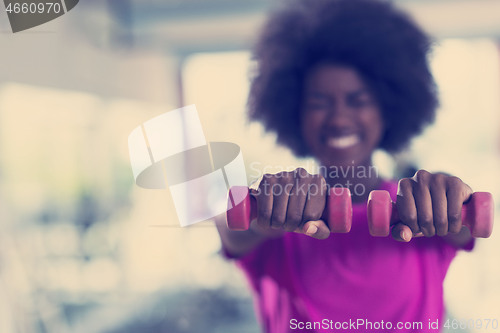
{"x": 242, "y": 209}
{"x": 477, "y": 214}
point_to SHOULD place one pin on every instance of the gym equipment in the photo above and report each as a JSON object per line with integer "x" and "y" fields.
{"x": 337, "y": 213}
{"x": 477, "y": 214}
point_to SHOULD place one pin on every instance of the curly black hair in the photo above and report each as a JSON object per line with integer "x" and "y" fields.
{"x": 382, "y": 43}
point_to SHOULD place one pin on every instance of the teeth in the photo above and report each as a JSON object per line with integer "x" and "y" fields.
{"x": 343, "y": 142}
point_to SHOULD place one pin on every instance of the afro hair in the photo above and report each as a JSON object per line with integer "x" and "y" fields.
{"x": 382, "y": 43}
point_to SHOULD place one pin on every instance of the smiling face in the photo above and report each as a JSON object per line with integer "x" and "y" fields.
{"x": 341, "y": 120}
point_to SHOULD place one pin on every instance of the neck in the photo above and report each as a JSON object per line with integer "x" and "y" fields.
{"x": 361, "y": 179}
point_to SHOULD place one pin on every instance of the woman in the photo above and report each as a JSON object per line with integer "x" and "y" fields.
{"x": 337, "y": 80}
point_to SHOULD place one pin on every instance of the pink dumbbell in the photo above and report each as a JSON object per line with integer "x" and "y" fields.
{"x": 242, "y": 208}
{"x": 477, "y": 214}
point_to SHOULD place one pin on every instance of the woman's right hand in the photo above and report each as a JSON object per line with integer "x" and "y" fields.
{"x": 292, "y": 201}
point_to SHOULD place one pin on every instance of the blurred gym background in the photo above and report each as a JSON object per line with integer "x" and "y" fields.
{"x": 82, "y": 249}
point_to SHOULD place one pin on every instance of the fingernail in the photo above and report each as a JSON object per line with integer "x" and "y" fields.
{"x": 311, "y": 230}
{"x": 403, "y": 235}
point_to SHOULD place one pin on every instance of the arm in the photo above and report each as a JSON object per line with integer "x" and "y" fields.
{"x": 238, "y": 243}
{"x": 284, "y": 203}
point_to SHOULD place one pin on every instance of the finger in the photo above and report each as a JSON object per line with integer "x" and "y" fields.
{"x": 439, "y": 206}
{"x": 423, "y": 202}
{"x": 264, "y": 199}
{"x": 296, "y": 204}
{"x": 280, "y": 204}
{"x": 405, "y": 204}
{"x": 457, "y": 193}
{"x": 316, "y": 229}
{"x": 401, "y": 232}
{"x": 315, "y": 202}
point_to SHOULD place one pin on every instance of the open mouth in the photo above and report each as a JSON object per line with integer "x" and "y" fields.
{"x": 342, "y": 142}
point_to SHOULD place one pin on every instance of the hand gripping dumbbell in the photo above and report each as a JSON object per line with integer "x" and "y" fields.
{"x": 242, "y": 208}
{"x": 477, "y": 214}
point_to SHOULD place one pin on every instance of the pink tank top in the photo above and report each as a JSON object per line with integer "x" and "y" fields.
{"x": 349, "y": 282}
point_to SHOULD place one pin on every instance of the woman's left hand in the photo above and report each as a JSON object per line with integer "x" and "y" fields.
{"x": 430, "y": 204}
